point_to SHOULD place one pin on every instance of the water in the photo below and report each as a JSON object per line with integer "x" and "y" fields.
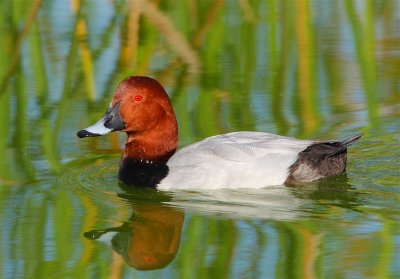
{"x": 318, "y": 69}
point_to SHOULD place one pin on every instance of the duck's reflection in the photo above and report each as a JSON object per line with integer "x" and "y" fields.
{"x": 149, "y": 239}
{"x": 337, "y": 190}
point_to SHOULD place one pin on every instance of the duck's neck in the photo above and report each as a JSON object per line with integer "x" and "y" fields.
{"x": 142, "y": 149}
{"x": 144, "y": 159}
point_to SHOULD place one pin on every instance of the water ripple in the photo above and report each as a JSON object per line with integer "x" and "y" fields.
{"x": 96, "y": 180}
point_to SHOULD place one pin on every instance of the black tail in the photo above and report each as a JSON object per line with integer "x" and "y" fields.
{"x": 342, "y": 145}
{"x": 321, "y": 159}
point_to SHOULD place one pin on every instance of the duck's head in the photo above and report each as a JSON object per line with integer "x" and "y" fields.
{"x": 141, "y": 108}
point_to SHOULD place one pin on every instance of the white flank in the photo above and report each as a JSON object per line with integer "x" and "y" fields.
{"x": 236, "y": 160}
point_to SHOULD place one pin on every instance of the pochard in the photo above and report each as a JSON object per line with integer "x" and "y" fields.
{"x": 141, "y": 108}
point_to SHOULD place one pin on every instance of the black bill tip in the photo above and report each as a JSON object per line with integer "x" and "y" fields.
{"x": 84, "y": 133}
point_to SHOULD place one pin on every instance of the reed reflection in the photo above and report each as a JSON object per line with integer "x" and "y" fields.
{"x": 149, "y": 239}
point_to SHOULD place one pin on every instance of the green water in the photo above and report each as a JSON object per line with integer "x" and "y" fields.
{"x": 308, "y": 69}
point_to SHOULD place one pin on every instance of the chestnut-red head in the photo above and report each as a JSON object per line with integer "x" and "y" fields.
{"x": 141, "y": 108}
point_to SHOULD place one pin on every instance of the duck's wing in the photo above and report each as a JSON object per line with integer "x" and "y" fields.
{"x": 240, "y": 147}
{"x": 234, "y": 160}
{"x": 254, "y": 160}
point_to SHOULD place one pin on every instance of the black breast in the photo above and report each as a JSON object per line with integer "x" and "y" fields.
{"x": 142, "y": 173}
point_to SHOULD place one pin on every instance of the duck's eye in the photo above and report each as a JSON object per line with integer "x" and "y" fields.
{"x": 138, "y": 98}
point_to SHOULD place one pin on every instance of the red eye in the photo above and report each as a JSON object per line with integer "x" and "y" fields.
{"x": 138, "y": 98}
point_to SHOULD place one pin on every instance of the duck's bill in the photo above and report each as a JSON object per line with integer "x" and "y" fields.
{"x": 111, "y": 121}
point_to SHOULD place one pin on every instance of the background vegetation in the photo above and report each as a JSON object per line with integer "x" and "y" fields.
{"x": 301, "y": 68}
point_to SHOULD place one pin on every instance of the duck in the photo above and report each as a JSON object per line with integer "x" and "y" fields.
{"x": 141, "y": 108}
